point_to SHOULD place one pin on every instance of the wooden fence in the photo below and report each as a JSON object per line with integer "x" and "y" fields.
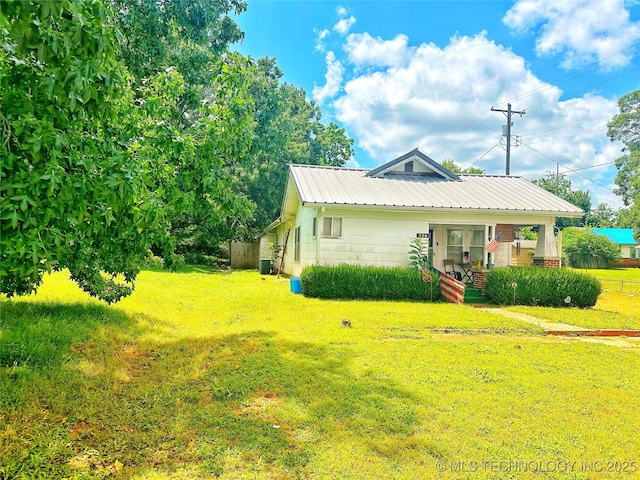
{"x": 245, "y": 256}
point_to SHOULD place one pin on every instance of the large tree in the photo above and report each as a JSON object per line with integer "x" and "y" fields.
{"x": 68, "y": 195}
{"x": 561, "y": 186}
{"x": 95, "y": 162}
{"x": 602, "y": 216}
{"x": 206, "y": 126}
{"x": 625, "y": 128}
{"x": 288, "y": 130}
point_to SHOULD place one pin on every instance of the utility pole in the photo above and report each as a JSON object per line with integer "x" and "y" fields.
{"x": 508, "y": 111}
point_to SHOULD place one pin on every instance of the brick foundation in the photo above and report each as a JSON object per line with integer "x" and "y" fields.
{"x": 627, "y": 263}
{"x": 480, "y": 279}
{"x": 546, "y": 262}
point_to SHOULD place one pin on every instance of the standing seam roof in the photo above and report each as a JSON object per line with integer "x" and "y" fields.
{"x": 345, "y": 186}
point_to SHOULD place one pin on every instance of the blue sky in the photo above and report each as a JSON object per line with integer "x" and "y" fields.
{"x": 404, "y": 74}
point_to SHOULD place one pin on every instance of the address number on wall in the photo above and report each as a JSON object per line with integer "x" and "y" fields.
{"x": 422, "y": 235}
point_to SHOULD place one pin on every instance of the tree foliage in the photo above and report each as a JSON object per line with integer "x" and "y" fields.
{"x": 288, "y": 130}
{"x": 452, "y": 166}
{"x": 128, "y": 126}
{"x": 625, "y": 128}
{"x": 585, "y": 249}
{"x": 204, "y": 119}
{"x": 561, "y": 186}
{"x": 602, "y": 216}
{"x": 625, "y": 219}
{"x": 97, "y": 163}
{"x": 70, "y": 194}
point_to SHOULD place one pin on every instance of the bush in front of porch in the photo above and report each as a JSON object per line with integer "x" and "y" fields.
{"x": 548, "y": 287}
{"x": 350, "y": 282}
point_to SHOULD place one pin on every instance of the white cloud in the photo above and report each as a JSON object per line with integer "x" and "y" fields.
{"x": 320, "y": 36}
{"x": 363, "y": 50}
{"x": 344, "y": 25}
{"x": 582, "y": 31}
{"x": 398, "y": 97}
{"x": 333, "y": 79}
{"x": 342, "y": 12}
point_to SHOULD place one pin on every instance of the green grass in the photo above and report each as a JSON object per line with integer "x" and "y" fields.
{"x": 203, "y": 374}
{"x": 587, "y": 318}
{"x": 618, "y": 305}
{"x": 632, "y": 274}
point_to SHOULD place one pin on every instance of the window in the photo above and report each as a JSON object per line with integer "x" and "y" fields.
{"x": 476, "y": 245}
{"x": 296, "y": 245}
{"x": 314, "y": 227}
{"x": 408, "y": 167}
{"x": 332, "y": 227}
{"x": 454, "y": 245}
{"x": 633, "y": 252}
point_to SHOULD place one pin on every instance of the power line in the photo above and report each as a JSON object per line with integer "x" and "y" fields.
{"x": 587, "y": 87}
{"x": 571, "y": 171}
{"x": 483, "y": 155}
{"x": 587, "y": 168}
{"x": 453, "y": 142}
{"x": 592, "y": 67}
{"x": 577, "y": 135}
{"x": 569, "y": 126}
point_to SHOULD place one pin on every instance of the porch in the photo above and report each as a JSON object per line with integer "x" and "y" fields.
{"x": 462, "y": 249}
{"x": 467, "y": 252}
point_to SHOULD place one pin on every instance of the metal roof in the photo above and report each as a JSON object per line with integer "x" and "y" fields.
{"x": 620, "y": 236}
{"x": 416, "y": 154}
{"x": 318, "y": 185}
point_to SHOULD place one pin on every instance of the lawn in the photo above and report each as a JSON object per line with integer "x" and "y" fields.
{"x": 618, "y": 305}
{"x": 201, "y": 374}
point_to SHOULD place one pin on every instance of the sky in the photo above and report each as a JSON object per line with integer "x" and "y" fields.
{"x": 399, "y": 75}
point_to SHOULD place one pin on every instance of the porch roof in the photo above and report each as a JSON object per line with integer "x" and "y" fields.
{"x": 317, "y": 185}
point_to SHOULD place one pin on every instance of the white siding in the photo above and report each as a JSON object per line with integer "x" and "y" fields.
{"x": 371, "y": 238}
{"x": 382, "y": 237}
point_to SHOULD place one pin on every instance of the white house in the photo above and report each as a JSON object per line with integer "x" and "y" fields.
{"x": 629, "y": 248}
{"x": 334, "y": 215}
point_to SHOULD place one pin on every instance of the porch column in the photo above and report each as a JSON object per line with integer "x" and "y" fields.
{"x": 488, "y": 234}
{"x": 546, "y": 254}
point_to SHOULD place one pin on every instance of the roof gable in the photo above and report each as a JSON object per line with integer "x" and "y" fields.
{"x": 414, "y": 163}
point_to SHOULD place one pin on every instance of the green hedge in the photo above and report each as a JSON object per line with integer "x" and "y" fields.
{"x": 584, "y": 249}
{"x": 367, "y": 283}
{"x": 549, "y": 287}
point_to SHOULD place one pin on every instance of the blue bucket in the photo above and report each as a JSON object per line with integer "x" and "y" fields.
{"x": 296, "y": 286}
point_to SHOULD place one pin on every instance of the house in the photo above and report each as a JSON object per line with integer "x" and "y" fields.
{"x": 522, "y": 252}
{"x": 629, "y": 248}
{"x": 333, "y": 215}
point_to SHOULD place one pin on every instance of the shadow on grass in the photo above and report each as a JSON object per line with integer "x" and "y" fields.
{"x": 40, "y": 334}
{"x": 191, "y": 268}
{"x": 246, "y": 400}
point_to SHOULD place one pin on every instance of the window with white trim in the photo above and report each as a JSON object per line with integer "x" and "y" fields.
{"x": 476, "y": 245}
{"x": 332, "y": 227}
{"x": 454, "y": 244}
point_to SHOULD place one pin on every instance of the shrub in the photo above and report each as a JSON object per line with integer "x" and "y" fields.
{"x": 367, "y": 283}
{"x": 585, "y": 249}
{"x": 550, "y": 287}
